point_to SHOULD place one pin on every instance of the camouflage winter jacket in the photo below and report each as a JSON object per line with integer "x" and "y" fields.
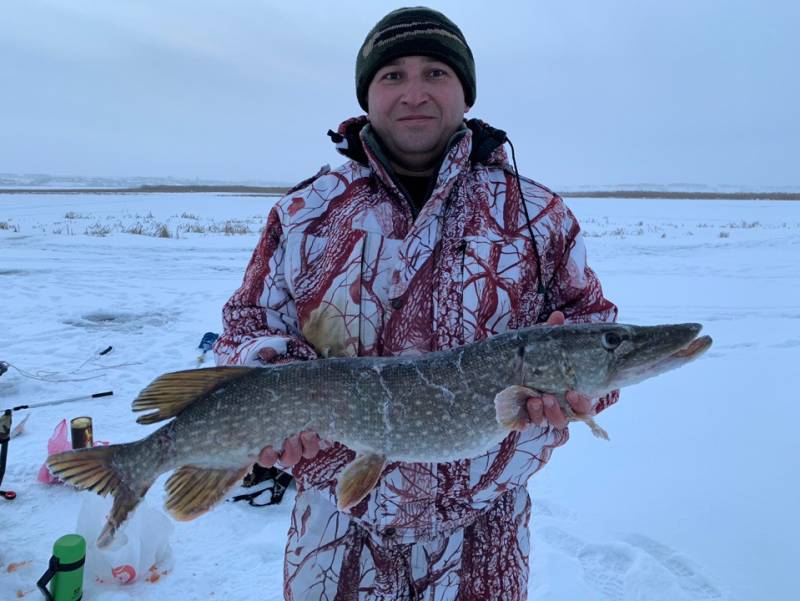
{"x": 344, "y": 267}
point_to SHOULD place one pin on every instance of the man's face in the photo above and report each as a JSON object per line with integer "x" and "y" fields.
{"x": 415, "y": 104}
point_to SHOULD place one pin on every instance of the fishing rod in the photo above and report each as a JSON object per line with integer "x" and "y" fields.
{"x": 5, "y": 428}
{"x": 5, "y": 436}
{"x": 84, "y": 397}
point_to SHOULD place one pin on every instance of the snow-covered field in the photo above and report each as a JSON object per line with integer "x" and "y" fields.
{"x": 695, "y": 497}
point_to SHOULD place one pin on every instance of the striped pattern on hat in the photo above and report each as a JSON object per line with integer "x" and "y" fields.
{"x": 415, "y": 31}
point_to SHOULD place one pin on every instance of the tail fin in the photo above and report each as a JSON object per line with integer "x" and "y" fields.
{"x": 95, "y": 469}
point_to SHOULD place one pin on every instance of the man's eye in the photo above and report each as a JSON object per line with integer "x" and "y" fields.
{"x": 391, "y": 76}
{"x": 437, "y": 73}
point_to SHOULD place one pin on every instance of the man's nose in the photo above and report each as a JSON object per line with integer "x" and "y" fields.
{"x": 416, "y": 92}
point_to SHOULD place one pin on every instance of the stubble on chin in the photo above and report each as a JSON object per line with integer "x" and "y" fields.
{"x": 416, "y": 144}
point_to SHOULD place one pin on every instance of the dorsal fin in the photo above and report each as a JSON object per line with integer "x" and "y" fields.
{"x": 170, "y": 393}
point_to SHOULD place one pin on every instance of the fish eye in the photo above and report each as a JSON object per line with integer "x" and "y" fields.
{"x": 611, "y": 340}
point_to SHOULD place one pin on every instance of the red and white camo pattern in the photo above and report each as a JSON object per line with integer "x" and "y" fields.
{"x": 343, "y": 268}
{"x": 331, "y": 556}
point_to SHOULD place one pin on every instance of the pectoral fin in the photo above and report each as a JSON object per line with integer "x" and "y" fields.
{"x": 510, "y": 405}
{"x": 358, "y": 478}
{"x": 511, "y": 408}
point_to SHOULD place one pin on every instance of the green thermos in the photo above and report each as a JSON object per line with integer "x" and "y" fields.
{"x": 65, "y": 572}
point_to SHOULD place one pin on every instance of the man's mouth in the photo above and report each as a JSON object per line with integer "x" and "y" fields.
{"x": 415, "y": 118}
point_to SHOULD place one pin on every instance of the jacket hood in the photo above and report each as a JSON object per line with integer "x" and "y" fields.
{"x": 486, "y": 145}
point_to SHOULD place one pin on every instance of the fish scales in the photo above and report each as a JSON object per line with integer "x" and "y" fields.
{"x": 409, "y": 409}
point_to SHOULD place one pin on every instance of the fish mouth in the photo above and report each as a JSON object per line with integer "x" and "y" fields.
{"x": 678, "y": 342}
{"x": 689, "y": 352}
{"x": 694, "y": 349}
{"x": 659, "y": 349}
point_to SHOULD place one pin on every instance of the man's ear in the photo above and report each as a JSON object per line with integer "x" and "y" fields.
{"x": 466, "y": 109}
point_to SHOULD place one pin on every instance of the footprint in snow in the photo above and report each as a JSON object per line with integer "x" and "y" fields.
{"x": 605, "y": 567}
{"x": 563, "y": 541}
{"x": 614, "y": 568}
{"x": 686, "y": 575}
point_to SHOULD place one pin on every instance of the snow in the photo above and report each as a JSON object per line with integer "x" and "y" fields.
{"x": 695, "y": 496}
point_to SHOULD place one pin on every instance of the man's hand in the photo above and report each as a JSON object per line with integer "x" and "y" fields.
{"x": 306, "y": 445}
{"x": 267, "y": 355}
{"x": 544, "y": 410}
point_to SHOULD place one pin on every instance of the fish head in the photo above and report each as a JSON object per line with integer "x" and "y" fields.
{"x": 594, "y": 359}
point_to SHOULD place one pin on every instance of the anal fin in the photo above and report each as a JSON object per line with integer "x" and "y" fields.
{"x": 358, "y": 478}
{"x": 193, "y": 490}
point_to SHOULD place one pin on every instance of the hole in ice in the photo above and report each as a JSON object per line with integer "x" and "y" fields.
{"x": 101, "y": 317}
{"x": 119, "y": 320}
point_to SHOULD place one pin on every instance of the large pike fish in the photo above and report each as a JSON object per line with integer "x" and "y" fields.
{"x": 432, "y": 408}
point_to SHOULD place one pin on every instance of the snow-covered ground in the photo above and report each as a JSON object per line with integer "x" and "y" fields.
{"x": 695, "y": 496}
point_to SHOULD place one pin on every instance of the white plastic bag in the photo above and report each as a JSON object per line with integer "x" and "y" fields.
{"x": 140, "y": 550}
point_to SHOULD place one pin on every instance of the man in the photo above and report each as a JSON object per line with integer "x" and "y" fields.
{"x": 426, "y": 239}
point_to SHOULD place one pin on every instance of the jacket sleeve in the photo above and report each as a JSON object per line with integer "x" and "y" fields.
{"x": 261, "y": 313}
{"x": 575, "y": 289}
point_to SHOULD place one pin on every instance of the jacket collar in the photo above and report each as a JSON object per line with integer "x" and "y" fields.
{"x": 475, "y": 143}
{"x": 485, "y": 142}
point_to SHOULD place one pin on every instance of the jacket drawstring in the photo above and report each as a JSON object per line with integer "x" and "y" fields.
{"x": 541, "y": 288}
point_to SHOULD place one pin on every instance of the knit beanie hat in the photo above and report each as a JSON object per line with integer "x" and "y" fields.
{"x": 409, "y": 31}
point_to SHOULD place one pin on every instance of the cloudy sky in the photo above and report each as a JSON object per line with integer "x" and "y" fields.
{"x": 590, "y": 91}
